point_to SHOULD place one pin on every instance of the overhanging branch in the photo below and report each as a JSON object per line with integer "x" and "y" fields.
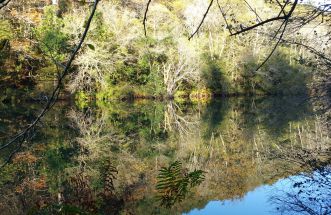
{"x": 4, "y": 3}
{"x": 145, "y": 16}
{"x": 202, "y": 21}
{"x": 284, "y": 17}
{"x": 22, "y": 136}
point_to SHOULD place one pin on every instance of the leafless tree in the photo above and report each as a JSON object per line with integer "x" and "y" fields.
{"x": 175, "y": 73}
{"x": 183, "y": 67}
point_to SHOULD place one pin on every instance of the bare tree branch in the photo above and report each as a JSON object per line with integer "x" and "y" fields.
{"x": 203, "y": 20}
{"x": 285, "y": 17}
{"x": 254, "y": 11}
{"x": 278, "y": 42}
{"x": 224, "y": 17}
{"x": 21, "y": 137}
{"x": 145, "y": 16}
{"x": 282, "y": 7}
{"x": 4, "y": 3}
{"x": 311, "y": 49}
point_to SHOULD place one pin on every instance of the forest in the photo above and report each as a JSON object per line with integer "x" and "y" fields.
{"x": 118, "y": 61}
{"x": 165, "y": 107}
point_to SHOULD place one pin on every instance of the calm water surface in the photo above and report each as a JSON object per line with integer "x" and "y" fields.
{"x": 230, "y": 156}
{"x": 282, "y": 197}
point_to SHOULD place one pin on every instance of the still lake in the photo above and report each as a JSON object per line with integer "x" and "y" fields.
{"x": 259, "y": 155}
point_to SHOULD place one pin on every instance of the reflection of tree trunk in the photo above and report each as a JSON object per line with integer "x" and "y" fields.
{"x": 174, "y": 120}
{"x": 309, "y": 146}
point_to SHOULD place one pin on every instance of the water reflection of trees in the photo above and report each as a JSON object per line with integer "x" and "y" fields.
{"x": 309, "y": 153}
{"x": 25, "y": 179}
{"x": 275, "y": 113}
{"x": 175, "y": 118}
{"x": 309, "y": 194}
{"x": 120, "y": 148}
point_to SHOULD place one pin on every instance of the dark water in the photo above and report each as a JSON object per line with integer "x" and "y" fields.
{"x": 230, "y": 156}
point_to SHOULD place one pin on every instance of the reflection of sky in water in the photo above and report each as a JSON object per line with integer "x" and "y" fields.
{"x": 321, "y": 4}
{"x": 240, "y": 121}
{"x": 316, "y": 2}
{"x": 257, "y": 202}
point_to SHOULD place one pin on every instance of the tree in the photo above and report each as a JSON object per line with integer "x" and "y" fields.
{"x": 287, "y": 14}
{"x": 24, "y": 134}
{"x": 182, "y": 67}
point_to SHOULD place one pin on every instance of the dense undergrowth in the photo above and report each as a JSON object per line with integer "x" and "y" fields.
{"x": 119, "y": 62}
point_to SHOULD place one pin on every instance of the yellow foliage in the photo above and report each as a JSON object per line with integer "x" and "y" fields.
{"x": 201, "y": 95}
{"x": 25, "y": 157}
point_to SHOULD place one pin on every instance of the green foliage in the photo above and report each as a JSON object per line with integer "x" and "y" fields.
{"x": 134, "y": 71}
{"x": 284, "y": 78}
{"x": 5, "y": 30}
{"x": 134, "y": 65}
{"x": 118, "y": 61}
{"x": 81, "y": 99}
{"x": 174, "y": 184}
{"x": 213, "y": 76}
{"x": 58, "y": 157}
{"x": 115, "y": 92}
{"x": 57, "y": 209}
{"x": 5, "y": 36}
{"x": 101, "y": 33}
{"x": 8, "y": 174}
{"x": 52, "y": 41}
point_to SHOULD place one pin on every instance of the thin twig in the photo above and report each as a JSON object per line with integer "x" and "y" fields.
{"x": 275, "y": 47}
{"x": 57, "y": 90}
{"x": 203, "y": 20}
{"x": 282, "y": 7}
{"x": 224, "y": 17}
{"x": 311, "y": 49}
{"x": 278, "y": 30}
{"x": 254, "y": 11}
{"x": 285, "y": 17}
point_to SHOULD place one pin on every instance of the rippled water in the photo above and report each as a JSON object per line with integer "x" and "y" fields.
{"x": 247, "y": 156}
